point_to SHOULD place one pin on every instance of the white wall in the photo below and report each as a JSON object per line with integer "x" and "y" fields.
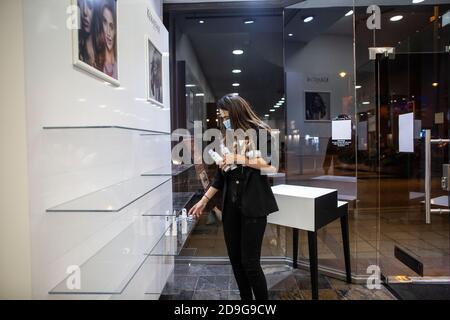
{"x": 43, "y": 88}
{"x": 15, "y": 264}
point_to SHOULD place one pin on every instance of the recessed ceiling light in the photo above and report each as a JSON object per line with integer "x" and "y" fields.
{"x": 418, "y": 1}
{"x": 235, "y": 84}
{"x": 201, "y": 21}
{"x": 342, "y": 74}
{"x": 272, "y": 110}
{"x": 435, "y": 84}
{"x": 266, "y": 115}
{"x": 238, "y": 52}
{"x": 366, "y": 102}
{"x": 249, "y": 21}
{"x": 190, "y": 85}
{"x": 396, "y": 18}
{"x": 276, "y": 106}
{"x": 282, "y": 99}
{"x": 308, "y": 19}
{"x": 290, "y": 34}
{"x": 199, "y": 94}
{"x": 358, "y": 87}
{"x": 349, "y": 13}
{"x": 237, "y": 71}
{"x": 235, "y": 94}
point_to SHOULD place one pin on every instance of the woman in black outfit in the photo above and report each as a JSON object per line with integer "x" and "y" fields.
{"x": 247, "y": 198}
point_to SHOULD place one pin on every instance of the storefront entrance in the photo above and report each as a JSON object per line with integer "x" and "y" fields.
{"x": 409, "y": 75}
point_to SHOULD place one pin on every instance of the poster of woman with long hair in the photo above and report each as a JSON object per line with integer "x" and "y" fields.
{"x": 95, "y": 40}
{"x": 154, "y": 74}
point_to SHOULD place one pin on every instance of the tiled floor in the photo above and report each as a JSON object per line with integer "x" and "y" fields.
{"x": 216, "y": 282}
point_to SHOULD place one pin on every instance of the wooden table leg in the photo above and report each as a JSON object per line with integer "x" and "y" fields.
{"x": 346, "y": 243}
{"x": 313, "y": 264}
{"x": 294, "y": 248}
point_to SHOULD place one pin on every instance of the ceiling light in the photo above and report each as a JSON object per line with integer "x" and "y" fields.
{"x": 199, "y": 94}
{"x": 435, "y": 84}
{"x": 308, "y": 19}
{"x": 282, "y": 99}
{"x": 249, "y": 21}
{"x": 237, "y": 71}
{"x": 201, "y": 21}
{"x": 358, "y": 87}
{"x": 276, "y": 106}
{"x": 238, "y": 52}
{"x": 235, "y": 84}
{"x": 418, "y": 1}
{"x": 349, "y": 13}
{"x": 290, "y": 34}
{"x": 266, "y": 115}
{"x": 235, "y": 94}
{"x": 342, "y": 74}
{"x": 190, "y": 85}
{"x": 272, "y": 110}
{"x": 366, "y": 102}
{"x": 396, "y": 18}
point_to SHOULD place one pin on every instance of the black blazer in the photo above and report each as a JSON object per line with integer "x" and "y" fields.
{"x": 257, "y": 199}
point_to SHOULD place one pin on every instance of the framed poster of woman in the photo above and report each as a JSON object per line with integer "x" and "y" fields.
{"x": 154, "y": 74}
{"x": 317, "y": 106}
{"x": 95, "y": 40}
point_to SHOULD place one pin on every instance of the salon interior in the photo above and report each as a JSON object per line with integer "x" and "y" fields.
{"x": 358, "y": 91}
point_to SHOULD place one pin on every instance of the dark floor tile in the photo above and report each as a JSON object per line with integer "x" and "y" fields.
{"x": 213, "y": 283}
{"x": 304, "y": 282}
{"x": 210, "y": 295}
{"x": 177, "y": 283}
{"x": 281, "y": 283}
{"x": 218, "y": 269}
{"x": 286, "y": 295}
{"x": 182, "y": 295}
{"x": 234, "y": 295}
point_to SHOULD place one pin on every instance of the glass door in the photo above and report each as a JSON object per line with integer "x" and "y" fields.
{"x": 406, "y": 109}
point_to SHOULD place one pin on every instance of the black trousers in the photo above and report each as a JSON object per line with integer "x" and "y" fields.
{"x": 243, "y": 238}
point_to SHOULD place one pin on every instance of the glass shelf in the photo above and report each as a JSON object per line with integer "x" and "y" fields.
{"x": 169, "y": 171}
{"x": 113, "y": 198}
{"x": 147, "y": 132}
{"x": 168, "y": 205}
{"x": 112, "y": 267}
{"x": 171, "y": 244}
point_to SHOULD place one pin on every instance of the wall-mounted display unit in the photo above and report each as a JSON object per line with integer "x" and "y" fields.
{"x": 95, "y": 39}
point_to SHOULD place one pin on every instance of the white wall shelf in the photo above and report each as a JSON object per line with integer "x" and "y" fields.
{"x": 171, "y": 243}
{"x": 113, "y": 198}
{"x": 147, "y": 132}
{"x": 173, "y": 171}
{"x": 112, "y": 267}
{"x": 179, "y": 201}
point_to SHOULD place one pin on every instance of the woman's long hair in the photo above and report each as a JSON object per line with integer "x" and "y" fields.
{"x": 241, "y": 114}
{"x": 100, "y": 36}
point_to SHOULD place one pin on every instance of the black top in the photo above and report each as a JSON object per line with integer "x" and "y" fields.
{"x": 255, "y": 195}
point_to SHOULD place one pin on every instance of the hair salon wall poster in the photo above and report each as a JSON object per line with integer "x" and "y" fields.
{"x": 154, "y": 73}
{"x": 95, "y": 45}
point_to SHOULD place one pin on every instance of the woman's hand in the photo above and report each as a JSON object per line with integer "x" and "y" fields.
{"x": 198, "y": 208}
{"x": 234, "y": 159}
